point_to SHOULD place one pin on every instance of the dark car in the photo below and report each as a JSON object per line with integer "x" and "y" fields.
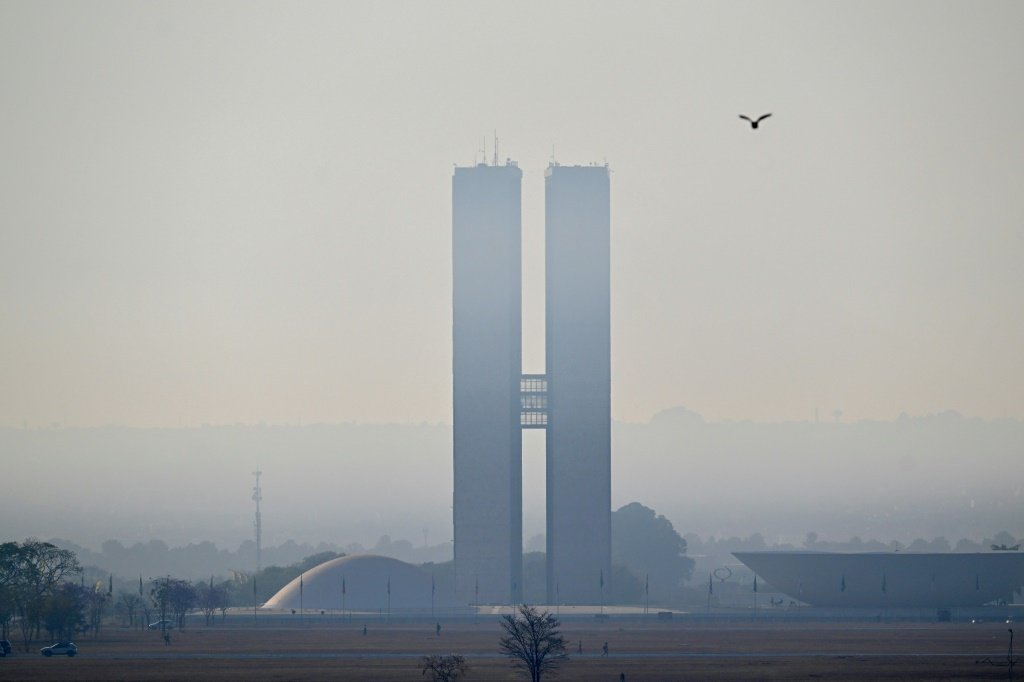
{"x": 59, "y": 649}
{"x": 5, "y": 647}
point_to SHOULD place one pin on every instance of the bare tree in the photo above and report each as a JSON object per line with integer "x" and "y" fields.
{"x": 532, "y": 641}
{"x": 97, "y": 602}
{"x": 173, "y": 596}
{"x": 444, "y": 668}
{"x": 130, "y": 602}
{"x": 210, "y": 597}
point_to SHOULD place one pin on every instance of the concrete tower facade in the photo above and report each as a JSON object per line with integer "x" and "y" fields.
{"x": 493, "y": 400}
{"x": 578, "y": 358}
{"x": 486, "y": 366}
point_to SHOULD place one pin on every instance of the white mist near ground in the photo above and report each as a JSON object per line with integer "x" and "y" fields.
{"x": 914, "y": 477}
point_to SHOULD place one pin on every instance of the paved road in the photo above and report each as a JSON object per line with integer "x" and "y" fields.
{"x": 351, "y": 655}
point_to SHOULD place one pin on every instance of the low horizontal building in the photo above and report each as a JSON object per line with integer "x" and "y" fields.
{"x": 890, "y": 579}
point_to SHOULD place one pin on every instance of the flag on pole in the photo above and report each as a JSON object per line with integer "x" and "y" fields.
{"x": 110, "y": 586}
{"x": 389, "y": 584}
{"x": 602, "y": 578}
{"x": 433, "y": 586}
{"x": 343, "y": 584}
{"x": 140, "y": 584}
{"x": 647, "y": 584}
{"x": 711, "y": 587}
{"x": 755, "y": 583}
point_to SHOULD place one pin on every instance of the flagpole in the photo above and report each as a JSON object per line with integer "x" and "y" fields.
{"x": 647, "y": 594}
{"x": 755, "y": 595}
{"x": 710, "y": 590}
{"x": 140, "y": 598}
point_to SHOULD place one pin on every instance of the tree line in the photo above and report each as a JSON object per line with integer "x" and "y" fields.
{"x": 35, "y": 592}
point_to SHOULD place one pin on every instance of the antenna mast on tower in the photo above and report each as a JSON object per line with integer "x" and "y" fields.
{"x": 257, "y": 496}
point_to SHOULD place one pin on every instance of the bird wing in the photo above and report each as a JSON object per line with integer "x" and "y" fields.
{"x": 763, "y": 117}
{"x": 745, "y": 118}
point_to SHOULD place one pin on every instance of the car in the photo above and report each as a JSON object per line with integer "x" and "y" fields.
{"x": 5, "y": 646}
{"x": 59, "y": 649}
{"x": 162, "y": 625}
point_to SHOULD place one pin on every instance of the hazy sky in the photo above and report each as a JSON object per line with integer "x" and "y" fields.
{"x": 241, "y": 212}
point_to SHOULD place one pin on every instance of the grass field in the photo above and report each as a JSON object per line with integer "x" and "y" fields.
{"x": 751, "y": 649}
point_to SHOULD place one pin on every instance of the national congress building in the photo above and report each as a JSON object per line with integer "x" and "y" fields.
{"x": 493, "y": 400}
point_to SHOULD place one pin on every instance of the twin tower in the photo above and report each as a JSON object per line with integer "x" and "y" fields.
{"x": 494, "y": 400}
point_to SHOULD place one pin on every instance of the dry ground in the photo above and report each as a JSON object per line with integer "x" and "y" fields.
{"x": 643, "y": 650}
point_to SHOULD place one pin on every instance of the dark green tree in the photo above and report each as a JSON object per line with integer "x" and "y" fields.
{"x": 647, "y": 544}
{"x": 31, "y": 572}
{"x": 64, "y": 611}
{"x": 8, "y": 585}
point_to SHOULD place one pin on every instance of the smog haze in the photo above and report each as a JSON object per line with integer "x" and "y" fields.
{"x": 225, "y": 244}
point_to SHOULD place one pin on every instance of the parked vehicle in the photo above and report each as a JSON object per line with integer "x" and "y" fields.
{"x": 59, "y": 649}
{"x": 5, "y": 647}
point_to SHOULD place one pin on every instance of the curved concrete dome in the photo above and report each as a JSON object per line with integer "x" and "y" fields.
{"x": 366, "y": 578}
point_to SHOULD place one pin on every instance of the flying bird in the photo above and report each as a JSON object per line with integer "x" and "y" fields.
{"x": 754, "y": 122}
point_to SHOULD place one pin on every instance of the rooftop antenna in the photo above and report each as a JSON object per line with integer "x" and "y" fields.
{"x": 495, "y": 163}
{"x": 257, "y": 496}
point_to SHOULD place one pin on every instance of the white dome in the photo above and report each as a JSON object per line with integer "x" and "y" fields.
{"x": 365, "y": 579}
